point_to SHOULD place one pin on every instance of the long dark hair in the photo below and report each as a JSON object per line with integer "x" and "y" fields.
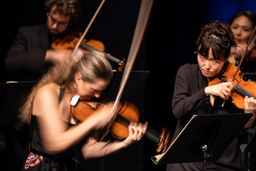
{"x": 249, "y": 14}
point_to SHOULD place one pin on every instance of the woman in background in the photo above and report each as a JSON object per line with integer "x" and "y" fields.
{"x": 242, "y": 25}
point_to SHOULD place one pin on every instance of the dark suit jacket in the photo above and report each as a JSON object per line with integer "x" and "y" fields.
{"x": 25, "y": 59}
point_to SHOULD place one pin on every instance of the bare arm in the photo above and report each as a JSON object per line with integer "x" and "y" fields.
{"x": 56, "y": 137}
{"x": 93, "y": 148}
{"x": 55, "y": 57}
{"x": 236, "y": 53}
{"x": 250, "y": 107}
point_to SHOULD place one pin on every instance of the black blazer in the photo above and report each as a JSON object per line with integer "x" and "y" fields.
{"x": 25, "y": 59}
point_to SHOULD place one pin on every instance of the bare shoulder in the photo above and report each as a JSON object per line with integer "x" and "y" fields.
{"x": 50, "y": 89}
{"x": 46, "y": 96}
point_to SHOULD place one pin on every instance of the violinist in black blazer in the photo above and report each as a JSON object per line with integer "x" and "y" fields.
{"x": 31, "y": 54}
{"x": 26, "y": 57}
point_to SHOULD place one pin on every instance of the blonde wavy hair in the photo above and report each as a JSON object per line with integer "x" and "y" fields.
{"x": 92, "y": 66}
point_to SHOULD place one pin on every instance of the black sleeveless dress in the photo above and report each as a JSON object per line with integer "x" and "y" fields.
{"x": 38, "y": 160}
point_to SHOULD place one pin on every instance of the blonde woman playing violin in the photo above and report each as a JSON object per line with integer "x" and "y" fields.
{"x": 54, "y": 131}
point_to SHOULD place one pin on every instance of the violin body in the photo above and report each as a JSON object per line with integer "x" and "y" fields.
{"x": 227, "y": 75}
{"x": 72, "y": 37}
{"x": 127, "y": 112}
{"x": 242, "y": 88}
{"x": 70, "y": 40}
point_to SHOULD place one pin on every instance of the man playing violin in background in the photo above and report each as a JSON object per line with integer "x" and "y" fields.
{"x": 193, "y": 95}
{"x": 31, "y": 54}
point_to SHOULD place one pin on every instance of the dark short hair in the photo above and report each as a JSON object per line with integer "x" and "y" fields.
{"x": 70, "y": 8}
{"x": 217, "y": 36}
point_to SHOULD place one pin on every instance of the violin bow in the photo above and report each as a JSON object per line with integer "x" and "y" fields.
{"x": 144, "y": 13}
{"x": 89, "y": 25}
{"x": 252, "y": 37}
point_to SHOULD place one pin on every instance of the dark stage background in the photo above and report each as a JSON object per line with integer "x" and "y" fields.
{"x": 169, "y": 42}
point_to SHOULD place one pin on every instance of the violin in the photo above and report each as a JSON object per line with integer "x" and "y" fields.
{"x": 126, "y": 107}
{"x": 242, "y": 87}
{"x": 70, "y": 41}
{"x": 74, "y": 39}
{"x": 127, "y": 112}
{"x": 233, "y": 74}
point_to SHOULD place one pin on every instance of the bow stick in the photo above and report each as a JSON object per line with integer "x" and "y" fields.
{"x": 88, "y": 27}
{"x": 141, "y": 24}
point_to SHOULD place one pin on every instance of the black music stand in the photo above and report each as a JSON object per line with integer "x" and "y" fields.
{"x": 203, "y": 139}
{"x": 12, "y": 96}
{"x": 251, "y": 146}
{"x": 250, "y": 149}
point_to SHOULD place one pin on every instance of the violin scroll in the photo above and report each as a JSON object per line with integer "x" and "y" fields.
{"x": 121, "y": 64}
{"x": 164, "y": 141}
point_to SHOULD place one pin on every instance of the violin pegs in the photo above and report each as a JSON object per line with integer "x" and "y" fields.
{"x": 161, "y": 140}
{"x": 164, "y": 141}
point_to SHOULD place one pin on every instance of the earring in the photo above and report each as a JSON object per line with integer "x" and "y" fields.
{"x": 75, "y": 85}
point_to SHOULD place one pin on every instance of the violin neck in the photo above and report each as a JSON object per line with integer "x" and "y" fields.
{"x": 150, "y": 133}
{"x": 90, "y": 48}
{"x": 240, "y": 90}
{"x": 153, "y": 135}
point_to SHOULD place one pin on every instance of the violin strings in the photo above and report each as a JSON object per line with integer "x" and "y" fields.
{"x": 122, "y": 119}
{"x": 240, "y": 90}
